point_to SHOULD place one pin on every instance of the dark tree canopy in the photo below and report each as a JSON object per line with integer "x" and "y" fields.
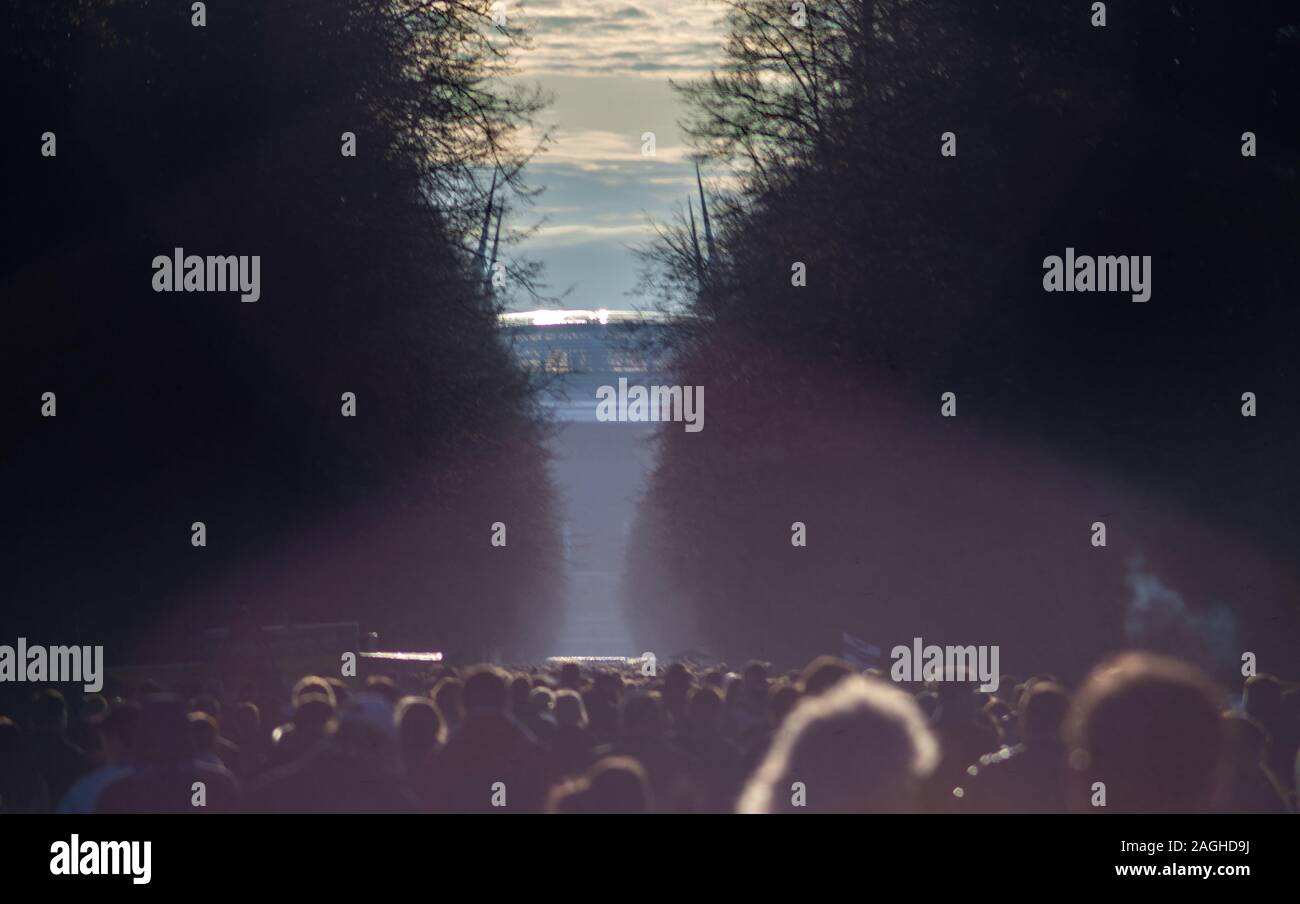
{"x": 175, "y": 408}
{"x": 924, "y": 275}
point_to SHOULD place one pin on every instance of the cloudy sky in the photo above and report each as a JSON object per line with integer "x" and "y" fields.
{"x": 607, "y": 64}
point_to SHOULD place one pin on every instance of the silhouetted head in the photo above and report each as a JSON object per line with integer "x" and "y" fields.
{"x": 608, "y": 685}
{"x": 1007, "y": 690}
{"x": 1001, "y": 717}
{"x": 314, "y": 717}
{"x": 246, "y": 720}
{"x": 705, "y": 709}
{"x": 1148, "y": 728}
{"x": 542, "y": 700}
{"x": 733, "y": 689}
{"x": 485, "y": 690}
{"x": 612, "y": 785}
{"x": 823, "y": 673}
{"x": 782, "y": 697}
{"x": 571, "y": 676}
{"x": 957, "y": 700}
{"x": 677, "y": 680}
{"x": 449, "y": 697}
{"x": 1042, "y": 713}
{"x": 94, "y": 707}
{"x": 643, "y": 716}
{"x": 203, "y": 733}
{"x": 420, "y": 727}
{"x": 569, "y": 709}
{"x": 755, "y": 677}
{"x": 49, "y": 711}
{"x": 521, "y": 694}
{"x": 859, "y": 747}
{"x": 997, "y": 709}
{"x": 385, "y": 687}
{"x": 206, "y": 703}
{"x": 367, "y": 731}
{"x": 341, "y": 693}
{"x": 312, "y": 684}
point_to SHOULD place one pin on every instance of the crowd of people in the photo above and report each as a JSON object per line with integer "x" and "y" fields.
{"x": 1142, "y": 733}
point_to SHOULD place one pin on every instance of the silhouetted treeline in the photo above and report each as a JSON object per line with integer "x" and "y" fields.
{"x": 924, "y": 276}
{"x": 176, "y": 407}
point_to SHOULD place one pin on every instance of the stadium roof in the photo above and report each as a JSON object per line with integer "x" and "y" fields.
{"x": 568, "y": 317}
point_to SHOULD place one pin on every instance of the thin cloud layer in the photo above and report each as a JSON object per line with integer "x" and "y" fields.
{"x": 607, "y": 64}
{"x": 676, "y": 38}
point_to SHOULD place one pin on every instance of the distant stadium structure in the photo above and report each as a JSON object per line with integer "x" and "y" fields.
{"x": 584, "y": 350}
{"x": 599, "y": 468}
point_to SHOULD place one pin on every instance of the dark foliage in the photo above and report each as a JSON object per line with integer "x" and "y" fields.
{"x": 924, "y": 276}
{"x": 175, "y": 408}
